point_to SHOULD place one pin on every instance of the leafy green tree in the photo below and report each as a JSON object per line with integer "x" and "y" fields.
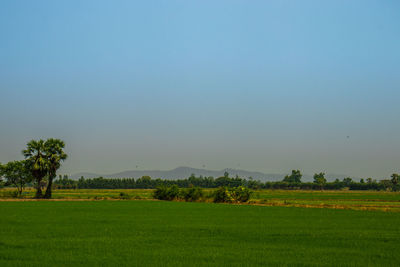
{"x": 370, "y": 181}
{"x": 347, "y": 181}
{"x": 55, "y": 155}
{"x": 395, "y": 178}
{"x": 37, "y": 161}
{"x": 1, "y": 176}
{"x": 295, "y": 177}
{"x": 395, "y": 181}
{"x": 387, "y": 184}
{"x": 17, "y": 174}
{"x": 319, "y": 178}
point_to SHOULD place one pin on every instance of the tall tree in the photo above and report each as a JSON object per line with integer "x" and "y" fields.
{"x": 37, "y": 163}
{"x": 55, "y": 155}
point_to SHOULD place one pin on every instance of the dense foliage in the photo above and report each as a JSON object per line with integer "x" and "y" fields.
{"x": 175, "y": 193}
{"x": 222, "y": 194}
{"x": 17, "y": 174}
{"x": 146, "y": 182}
{"x": 232, "y": 194}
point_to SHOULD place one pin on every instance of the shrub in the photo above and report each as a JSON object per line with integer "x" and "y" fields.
{"x": 9, "y": 194}
{"x": 123, "y": 195}
{"x": 160, "y": 193}
{"x": 223, "y": 194}
{"x": 192, "y": 193}
{"x": 167, "y": 193}
{"x": 242, "y": 194}
{"x": 232, "y": 194}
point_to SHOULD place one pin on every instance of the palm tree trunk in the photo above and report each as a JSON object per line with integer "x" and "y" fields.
{"x": 48, "y": 189}
{"x": 52, "y": 175}
{"x": 39, "y": 193}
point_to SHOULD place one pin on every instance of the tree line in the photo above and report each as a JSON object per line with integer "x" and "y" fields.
{"x": 291, "y": 181}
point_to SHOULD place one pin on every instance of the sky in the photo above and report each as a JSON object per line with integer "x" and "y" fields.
{"x": 265, "y": 86}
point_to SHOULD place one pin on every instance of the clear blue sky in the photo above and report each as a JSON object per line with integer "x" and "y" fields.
{"x": 259, "y": 85}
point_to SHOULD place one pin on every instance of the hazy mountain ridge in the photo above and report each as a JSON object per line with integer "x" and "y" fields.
{"x": 185, "y": 172}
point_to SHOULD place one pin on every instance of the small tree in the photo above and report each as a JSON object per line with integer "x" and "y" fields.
{"x": 319, "y": 178}
{"x": 347, "y": 181}
{"x": 395, "y": 181}
{"x": 17, "y": 174}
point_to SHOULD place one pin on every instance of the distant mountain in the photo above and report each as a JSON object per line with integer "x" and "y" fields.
{"x": 185, "y": 172}
{"x": 182, "y": 173}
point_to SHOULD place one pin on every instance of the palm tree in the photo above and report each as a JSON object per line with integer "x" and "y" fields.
{"x": 55, "y": 155}
{"x": 37, "y": 162}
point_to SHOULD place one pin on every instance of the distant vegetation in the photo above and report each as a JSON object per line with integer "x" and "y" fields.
{"x": 291, "y": 182}
{"x": 223, "y": 194}
{"x": 175, "y": 193}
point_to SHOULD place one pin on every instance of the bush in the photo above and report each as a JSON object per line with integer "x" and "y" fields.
{"x": 167, "y": 193}
{"x": 9, "y": 194}
{"x": 160, "y": 193}
{"x": 123, "y": 195}
{"x": 223, "y": 194}
{"x": 242, "y": 194}
{"x": 192, "y": 193}
{"x": 232, "y": 194}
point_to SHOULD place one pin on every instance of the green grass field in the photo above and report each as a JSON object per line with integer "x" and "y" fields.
{"x": 158, "y": 233}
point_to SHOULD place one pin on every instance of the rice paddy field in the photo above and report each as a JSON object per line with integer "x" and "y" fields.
{"x": 277, "y": 228}
{"x": 160, "y": 233}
